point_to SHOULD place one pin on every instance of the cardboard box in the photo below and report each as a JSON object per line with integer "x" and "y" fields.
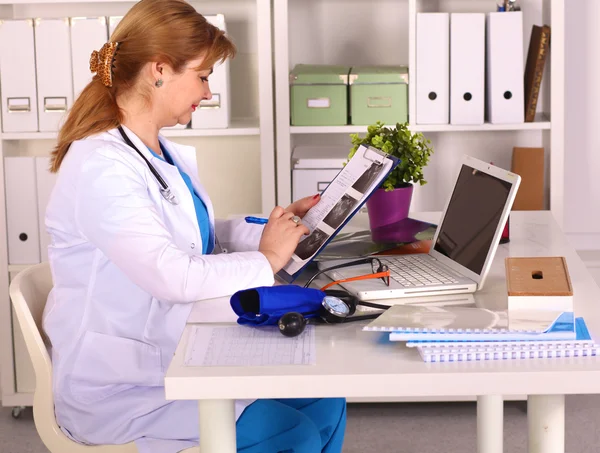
{"x": 529, "y": 164}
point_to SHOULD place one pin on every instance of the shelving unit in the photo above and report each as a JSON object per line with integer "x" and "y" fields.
{"x": 276, "y": 35}
{"x": 350, "y": 129}
{"x": 249, "y": 24}
{"x": 238, "y": 127}
{"x": 384, "y": 32}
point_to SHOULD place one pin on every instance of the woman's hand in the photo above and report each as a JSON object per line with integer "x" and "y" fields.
{"x": 280, "y": 238}
{"x": 300, "y": 207}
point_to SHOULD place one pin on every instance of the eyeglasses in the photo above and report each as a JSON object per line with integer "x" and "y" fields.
{"x": 379, "y": 271}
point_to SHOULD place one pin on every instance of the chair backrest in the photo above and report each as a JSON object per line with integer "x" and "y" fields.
{"x": 28, "y": 292}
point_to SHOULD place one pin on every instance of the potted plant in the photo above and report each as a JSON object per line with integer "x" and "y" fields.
{"x": 391, "y": 202}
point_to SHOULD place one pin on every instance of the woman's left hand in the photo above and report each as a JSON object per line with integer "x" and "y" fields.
{"x": 300, "y": 207}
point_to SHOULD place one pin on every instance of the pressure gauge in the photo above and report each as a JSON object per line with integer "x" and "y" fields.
{"x": 334, "y": 309}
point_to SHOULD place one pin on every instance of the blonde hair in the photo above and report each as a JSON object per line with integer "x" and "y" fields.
{"x": 169, "y": 31}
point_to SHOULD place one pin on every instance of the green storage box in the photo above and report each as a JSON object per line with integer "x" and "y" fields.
{"x": 319, "y": 95}
{"x": 378, "y": 93}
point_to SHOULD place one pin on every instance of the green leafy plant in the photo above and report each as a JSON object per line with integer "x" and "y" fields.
{"x": 412, "y": 148}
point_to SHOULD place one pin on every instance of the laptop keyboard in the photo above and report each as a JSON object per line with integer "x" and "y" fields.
{"x": 417, "y": 270}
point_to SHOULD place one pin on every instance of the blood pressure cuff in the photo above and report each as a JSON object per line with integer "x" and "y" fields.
{"x": 264, "y": 305}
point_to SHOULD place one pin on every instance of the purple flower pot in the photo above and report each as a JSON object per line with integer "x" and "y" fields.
{"x": 389, "y": 207}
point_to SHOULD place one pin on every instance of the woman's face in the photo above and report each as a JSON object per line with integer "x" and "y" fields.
{"x": 181, "y": 93}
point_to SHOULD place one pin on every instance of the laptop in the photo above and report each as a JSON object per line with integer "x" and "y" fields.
{"x": 463, "y": 246}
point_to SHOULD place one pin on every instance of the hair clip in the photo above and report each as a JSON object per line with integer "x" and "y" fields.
{"x": 101, "y": 62}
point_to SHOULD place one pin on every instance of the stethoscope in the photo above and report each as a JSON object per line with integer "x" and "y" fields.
{"x": 337, "y": 307}
{"x": 165, "y": 190}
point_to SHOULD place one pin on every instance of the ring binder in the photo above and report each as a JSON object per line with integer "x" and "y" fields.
{"x": 55, "y": 104}
{"x": 18, "y": 105}
{"x": 434, "y": 355}
{"x": 213, "y": 103}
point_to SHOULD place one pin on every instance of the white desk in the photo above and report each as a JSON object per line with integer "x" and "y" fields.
{"x": 351, "y": 363}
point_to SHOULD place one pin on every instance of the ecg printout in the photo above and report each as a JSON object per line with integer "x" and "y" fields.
{"x": 248, "y": 346}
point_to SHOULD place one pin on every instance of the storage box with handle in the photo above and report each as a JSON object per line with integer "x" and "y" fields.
{"x": 319, "y": 95}
{"x": 378, "y": 93}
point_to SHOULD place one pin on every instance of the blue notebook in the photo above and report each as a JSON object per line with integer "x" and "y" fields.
{"x": 582, "y": 339}
{"x": 412, "y": 323}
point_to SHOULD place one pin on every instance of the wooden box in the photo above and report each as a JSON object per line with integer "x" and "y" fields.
{"x": 538, "y": 283}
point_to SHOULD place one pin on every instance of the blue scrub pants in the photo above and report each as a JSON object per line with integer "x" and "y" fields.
{"x": 292, "y": 426}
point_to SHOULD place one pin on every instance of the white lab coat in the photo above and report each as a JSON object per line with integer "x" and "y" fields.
{"x": 127, "y": 265}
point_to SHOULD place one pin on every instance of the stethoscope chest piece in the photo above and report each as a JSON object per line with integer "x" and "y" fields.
{"x": 169, "y": 196}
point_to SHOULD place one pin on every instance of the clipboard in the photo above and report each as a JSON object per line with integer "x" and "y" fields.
{"x": 344, "y": 196}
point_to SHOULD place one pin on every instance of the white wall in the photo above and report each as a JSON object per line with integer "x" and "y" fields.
{"x": 582, "y": 128}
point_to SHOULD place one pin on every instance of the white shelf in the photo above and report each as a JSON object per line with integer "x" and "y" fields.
{"x": 534, "y": 126}
{"x": 491, "y": 142}
{"x": 34, "y": 2}
{"x": 238, "y": 127}
{"x": 538, "y": 125}
{"x": 18, "y": 267}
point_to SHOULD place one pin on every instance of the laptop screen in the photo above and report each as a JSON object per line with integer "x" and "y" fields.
{"x": 471, "y": 219}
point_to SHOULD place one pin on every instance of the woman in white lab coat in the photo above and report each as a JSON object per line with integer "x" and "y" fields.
{"x": 131, "y": 250}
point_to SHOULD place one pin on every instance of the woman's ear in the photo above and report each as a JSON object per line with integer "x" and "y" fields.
{"x": 157, "y": 69}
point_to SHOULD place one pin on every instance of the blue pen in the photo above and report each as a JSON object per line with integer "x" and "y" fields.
{"x": 257, "y": 220}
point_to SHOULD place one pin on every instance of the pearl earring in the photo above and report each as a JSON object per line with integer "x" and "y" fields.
{"x": 158, "y": 83}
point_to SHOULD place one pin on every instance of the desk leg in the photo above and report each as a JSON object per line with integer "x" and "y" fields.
{"x": 490, "y": 423}
{"x": 217, "y": 426}
{"x": 546, "y": 423}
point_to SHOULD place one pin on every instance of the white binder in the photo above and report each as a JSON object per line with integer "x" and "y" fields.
{"x": 53, "y": 70}
{"x": 87, "y": 34}
{"x": 505, "y": 90}
{"x": 467, "y": 68}
{"x": 113, "y": 21}
{"x": 17, "y": 76}
{"x": 45, "y": 183}
{"x": 21, "y": 210}
{"x": 215, "y": 113}
{"x": 433, "y": 68}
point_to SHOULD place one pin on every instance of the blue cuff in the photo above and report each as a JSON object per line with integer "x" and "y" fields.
{"x": 264, "y": 305}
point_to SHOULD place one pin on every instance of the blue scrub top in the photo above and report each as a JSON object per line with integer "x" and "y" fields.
{"x": 201, "y": 212}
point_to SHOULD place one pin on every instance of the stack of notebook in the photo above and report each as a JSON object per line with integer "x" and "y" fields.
{"x": 454, "y": 334}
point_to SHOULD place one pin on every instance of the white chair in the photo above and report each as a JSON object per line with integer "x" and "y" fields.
{"x": 28, "y": 292}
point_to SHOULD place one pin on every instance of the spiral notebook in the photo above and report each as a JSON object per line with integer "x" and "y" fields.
{"x": 442, "y": 351}
{"x": 409, "y": 322}
{"x": 507, "y": 353}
